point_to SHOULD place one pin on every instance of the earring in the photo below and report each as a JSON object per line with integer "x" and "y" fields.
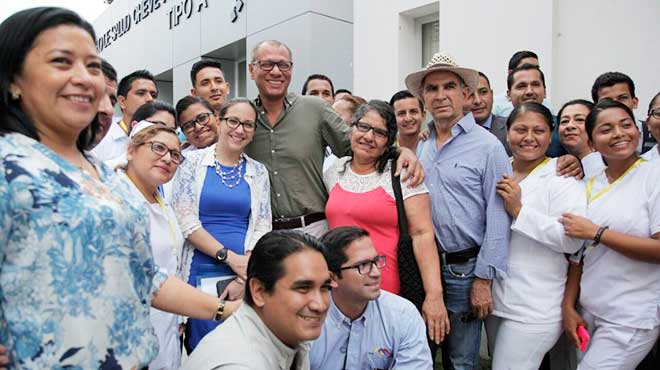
{"x": 15, "y": 95}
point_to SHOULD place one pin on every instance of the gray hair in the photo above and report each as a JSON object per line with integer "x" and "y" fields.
{"x": 275, "y": 43}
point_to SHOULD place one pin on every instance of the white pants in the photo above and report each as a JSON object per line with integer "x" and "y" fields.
{"x": 520, "y": 346}
{"x": 316, "y": 229}
{"x": 613, "y": 346}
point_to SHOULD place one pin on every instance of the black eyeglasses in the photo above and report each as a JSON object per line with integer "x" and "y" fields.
{"x": 268, "y": 65}
{"x": 202, "y": 119}
{"x": 234, "y": 122}
{"x": 161, "y": 149}
{"x": 365, "y": 127}
{"x": 655, "y": 113}
{"x": 365, "y": 267}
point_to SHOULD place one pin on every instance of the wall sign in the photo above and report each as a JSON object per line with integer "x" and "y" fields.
{"x": 183, "y": 9}
{"x": 238, "y": 7}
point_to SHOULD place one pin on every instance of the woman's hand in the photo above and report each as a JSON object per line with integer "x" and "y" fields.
{"x": 571, "y": 321}
{"x": 509, "y": 190}
{"x": 578, "y": 226}
{"x": 234, "y": 291}
{"x": 237, "y": 263}
{"x": 569, "y": 166}
{"x": 436, "y": 318}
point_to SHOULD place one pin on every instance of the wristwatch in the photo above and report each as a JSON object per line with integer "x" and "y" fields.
{"x": 221, "y": 255}
{"x": 220, "y": 312}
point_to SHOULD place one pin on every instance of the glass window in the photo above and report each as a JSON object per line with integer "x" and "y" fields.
{"x": 430, "y": 40}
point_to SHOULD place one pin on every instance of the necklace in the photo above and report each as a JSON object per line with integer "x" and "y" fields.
{"x": 230, "y": 178}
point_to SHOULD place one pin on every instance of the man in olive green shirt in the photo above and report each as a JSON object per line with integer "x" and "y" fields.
{"x": 292, "y": 133}
{"x": 290, "y": 139}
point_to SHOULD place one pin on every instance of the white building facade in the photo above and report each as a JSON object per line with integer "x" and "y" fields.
{"x": 576, "y": 41}
{"x": 369, "y": 46}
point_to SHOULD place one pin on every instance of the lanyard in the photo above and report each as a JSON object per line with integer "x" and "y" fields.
{"x": 123, "y": 126}
{"x": 167, "y": 217}
{"x": 590, "y": 185}
{"x": 538, "y": 166}
{"x": 169, "y": 221}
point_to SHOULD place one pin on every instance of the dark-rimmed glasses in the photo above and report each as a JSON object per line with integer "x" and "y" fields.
{"x": 365, "y": 127}
{"x": 268, "y": 65}
{"x": 234, "y": 122}
{"x": 161, "y": 149}
{"x": 365, "y": 267}
{"x": 655, "y": 113}
{"x": 202, "y": 119}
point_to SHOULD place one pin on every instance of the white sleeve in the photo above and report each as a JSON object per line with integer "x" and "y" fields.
{"x": 409, "y": 192}
{"x": 592, "y": 165}
{"x": 564, "y": 196}
{"x": 653, "y": 191}
{"x": 184, "y": 200}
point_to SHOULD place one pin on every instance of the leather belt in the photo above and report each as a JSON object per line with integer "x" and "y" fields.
{"x": 297, "y": 222}
{"x": 460, "y": 256}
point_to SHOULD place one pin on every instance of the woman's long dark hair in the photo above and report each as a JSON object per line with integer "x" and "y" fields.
{"x": 17, "y": 36}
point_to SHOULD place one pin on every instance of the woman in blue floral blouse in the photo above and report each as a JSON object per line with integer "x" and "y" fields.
{"x": 76, "y": 271}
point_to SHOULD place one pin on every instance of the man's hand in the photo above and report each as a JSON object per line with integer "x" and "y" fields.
{"x": 511, "y": 194}
{"x": 414, "y": 171}
{"x": 481, "y": 298}
{"x": 571, "y": 321}
{"x": 578, "y": 226}
{"x": 436, "y": 318}
{"x": 424, "y": 134}
{"x": 569, "y": 166}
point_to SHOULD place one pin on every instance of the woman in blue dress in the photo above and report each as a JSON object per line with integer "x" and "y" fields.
{"x": 222, "y": 200}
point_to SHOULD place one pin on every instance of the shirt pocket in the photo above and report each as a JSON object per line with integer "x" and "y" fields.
{"x": 379, "y": 361}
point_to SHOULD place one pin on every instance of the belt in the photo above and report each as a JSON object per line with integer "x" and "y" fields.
{"x": 297, "y": 222}
{"x": 460, "y": 256}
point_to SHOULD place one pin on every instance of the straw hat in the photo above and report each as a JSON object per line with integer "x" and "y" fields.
{"x": 442, "y": 61}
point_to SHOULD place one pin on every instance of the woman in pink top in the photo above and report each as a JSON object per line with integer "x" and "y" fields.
{"x": 361, "y": 194}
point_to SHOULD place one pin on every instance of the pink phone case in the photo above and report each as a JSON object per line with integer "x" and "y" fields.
{"x": 583, "y": 336}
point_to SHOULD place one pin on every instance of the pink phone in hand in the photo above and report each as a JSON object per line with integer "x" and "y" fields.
{"x": 583, "y": 336}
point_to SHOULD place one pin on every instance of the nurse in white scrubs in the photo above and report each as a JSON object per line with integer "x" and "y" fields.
{"x": 154, "y": 154}
{"x": 526, "y": 321}
{"x": 619, "y": 288}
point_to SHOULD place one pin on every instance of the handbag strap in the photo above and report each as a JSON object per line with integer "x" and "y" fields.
{"x": 398, "y": 196}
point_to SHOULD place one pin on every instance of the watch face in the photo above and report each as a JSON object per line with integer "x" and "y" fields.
{"x": 221, "y": 255}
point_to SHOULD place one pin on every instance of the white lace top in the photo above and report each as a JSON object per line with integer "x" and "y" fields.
{"x": 342, "y": 173}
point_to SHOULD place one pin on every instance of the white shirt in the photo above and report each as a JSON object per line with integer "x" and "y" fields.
{"x": 652, "y": 154}
{"x": 614, "y": 287}
{"x": 244, "y": 342}
{"x": 166, "y": 244}
{"x": 537, "y": 267}
{"x": 113, "y": 145}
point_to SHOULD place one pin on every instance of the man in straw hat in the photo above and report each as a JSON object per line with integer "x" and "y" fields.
{"x": 462, "y": 163}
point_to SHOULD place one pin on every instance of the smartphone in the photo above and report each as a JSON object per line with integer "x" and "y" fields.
{"x": 221, "y": 285}
{"x": 583, "y": 336}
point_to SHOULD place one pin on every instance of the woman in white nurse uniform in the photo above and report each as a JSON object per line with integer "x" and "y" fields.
{"x": 526, "y": 321}
{"x": 619, "y": 291}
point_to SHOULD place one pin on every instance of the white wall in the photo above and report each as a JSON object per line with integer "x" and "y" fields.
{"x": 575, "y": 41}
{"x": 592, "y": 37}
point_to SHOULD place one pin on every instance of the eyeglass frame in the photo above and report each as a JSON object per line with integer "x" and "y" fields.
{"x": 378, "y": 132}
{"x": 655, "y": 113}
{"x": 240, "y": 123}
{"x": 170, "y": 151}
{"x": 259, "y": 63}
{"x": 196, "y": 121}
{"x": 371, "y": 263}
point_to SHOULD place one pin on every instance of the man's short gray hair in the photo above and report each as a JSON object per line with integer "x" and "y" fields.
{"x": 275, "y": 43}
